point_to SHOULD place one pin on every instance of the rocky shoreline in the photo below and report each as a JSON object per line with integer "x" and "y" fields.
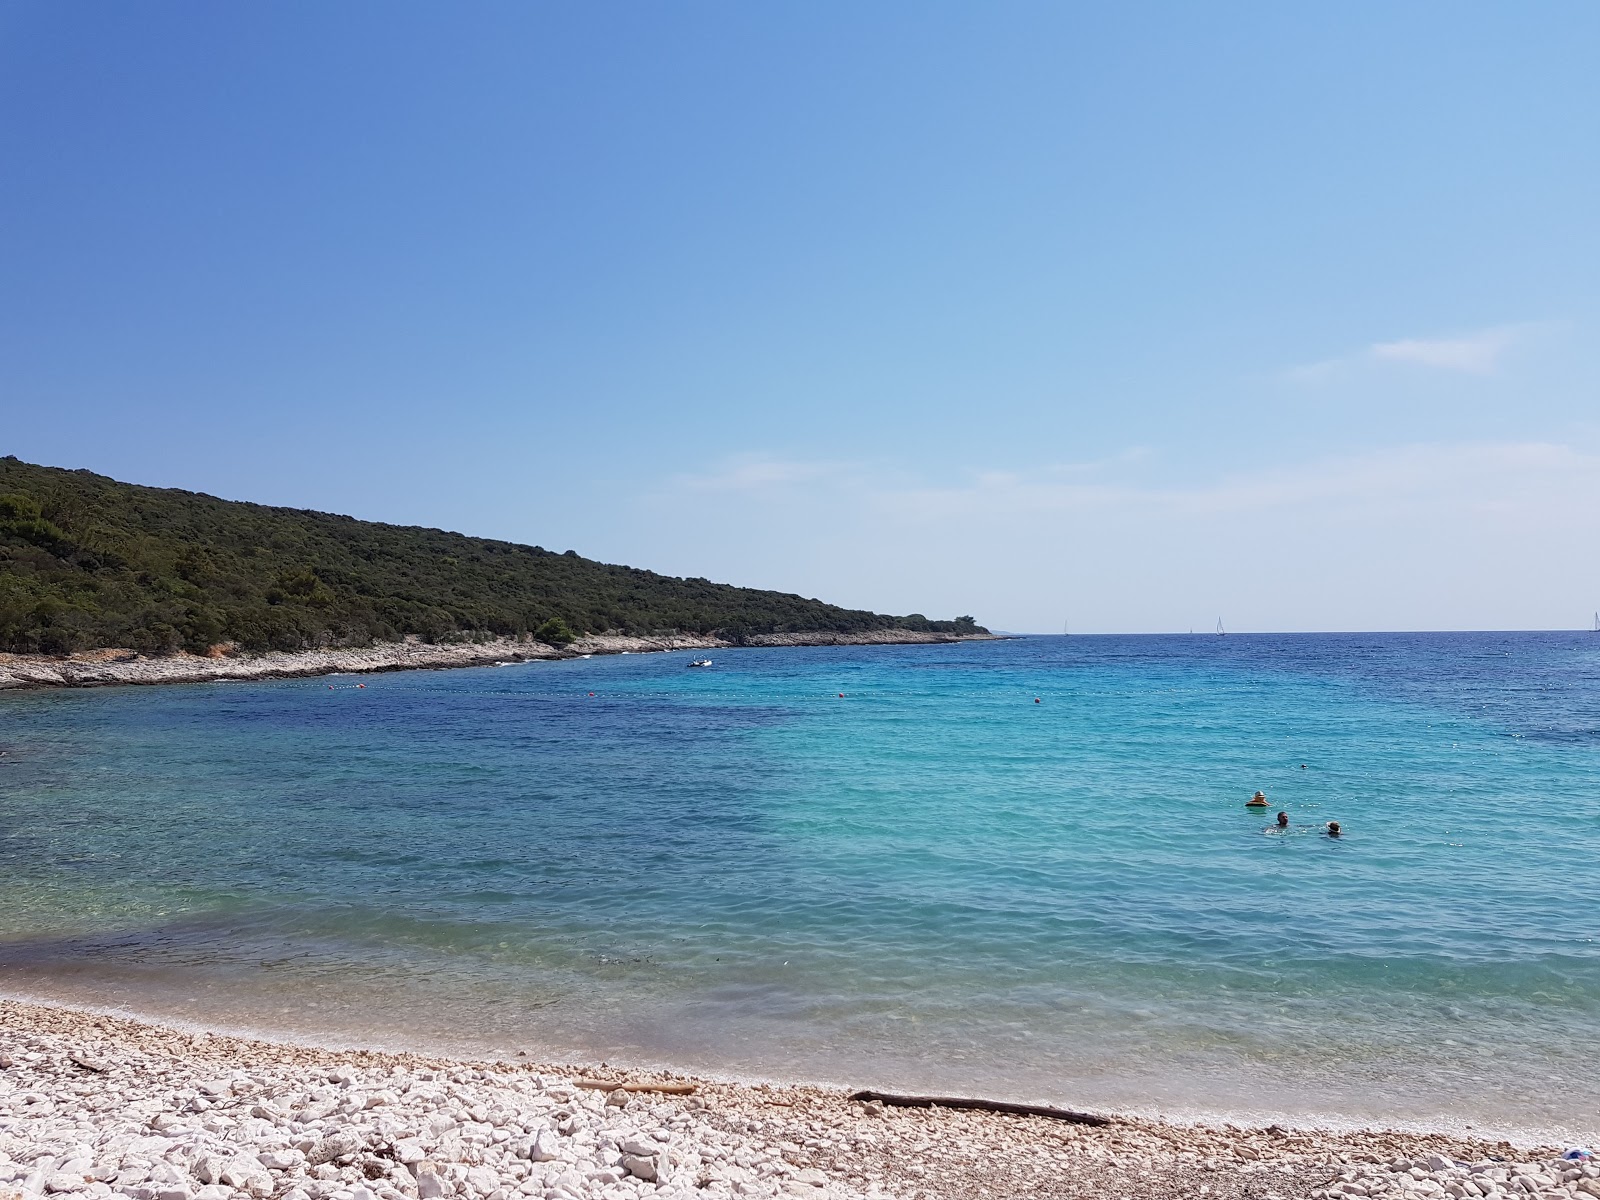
{"x": 103, "y": 668}
{"x": 107, "y": 1108}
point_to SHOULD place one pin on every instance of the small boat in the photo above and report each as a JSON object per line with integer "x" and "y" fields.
{"x": 700, "y": 662}
{"x": 1220, "y": 630}
{"x": 1596, "y": 628}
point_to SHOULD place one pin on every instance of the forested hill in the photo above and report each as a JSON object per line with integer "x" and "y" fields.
{"x": 88, "y": 562}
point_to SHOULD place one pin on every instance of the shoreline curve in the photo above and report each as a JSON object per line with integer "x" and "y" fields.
{"x": 110, "y": 668}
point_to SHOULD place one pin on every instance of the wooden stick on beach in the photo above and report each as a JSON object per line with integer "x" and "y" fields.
{"x": 999, "y": 1106}
{"x": 606, "y": 1085}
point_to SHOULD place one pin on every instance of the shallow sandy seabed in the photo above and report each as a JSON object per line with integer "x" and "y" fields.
{"x": 97, "y": 1106}
{"x": 101, "y": 668}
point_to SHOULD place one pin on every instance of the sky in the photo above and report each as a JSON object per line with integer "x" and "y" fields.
{"x": 1132, "y": 317}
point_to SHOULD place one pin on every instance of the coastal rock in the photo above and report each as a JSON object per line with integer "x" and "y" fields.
{"x": 641, "y": 1166}
{"x": 481, "y": 1181}
{"x": 102, "y": 667}
{"x": 207, "y": 1168}
{"x": 544, "y": 1147}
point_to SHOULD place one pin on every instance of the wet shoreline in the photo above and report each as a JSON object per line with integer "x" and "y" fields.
{"x": 107, "y": 668}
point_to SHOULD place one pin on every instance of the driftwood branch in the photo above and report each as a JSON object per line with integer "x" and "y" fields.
{"x": 669, "y": 1089}
{"x": 999, "y": 1106}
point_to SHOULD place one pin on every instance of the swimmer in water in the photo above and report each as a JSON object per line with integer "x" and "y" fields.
{"x": 1283, "y": 820}
{"x": 1333, "y": 829}
{"x": 1259, "y": 800}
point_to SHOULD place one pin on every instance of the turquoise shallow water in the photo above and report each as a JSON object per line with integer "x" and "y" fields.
{"x": 931, "y": 881}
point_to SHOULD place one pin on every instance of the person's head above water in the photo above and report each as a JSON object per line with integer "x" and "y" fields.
{"x": 1259, "y": 800}
{"x": 1283, "y": 820}
{"x": 1333, "y": 829}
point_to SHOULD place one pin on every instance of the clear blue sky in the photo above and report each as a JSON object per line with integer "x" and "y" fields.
{"x": 1138, "y": 314}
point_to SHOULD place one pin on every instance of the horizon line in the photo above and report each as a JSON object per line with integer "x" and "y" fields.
{"x": 1277, "y": 632}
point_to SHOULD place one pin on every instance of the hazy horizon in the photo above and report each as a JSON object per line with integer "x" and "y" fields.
{"x": 1131, "y": 317}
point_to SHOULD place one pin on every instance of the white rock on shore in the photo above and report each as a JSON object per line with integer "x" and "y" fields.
{"x": 148, "y": 1131}
{"x": 1437, "y": 1175}
{"x": 105, "y": 1108}
{"x": 99, "y": 668}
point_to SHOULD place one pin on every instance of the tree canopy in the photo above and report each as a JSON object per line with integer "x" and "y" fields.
{"x": 87, "y": 561}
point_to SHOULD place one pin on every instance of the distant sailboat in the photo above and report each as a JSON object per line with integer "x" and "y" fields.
{"x": 1220, "y": 630}
{"x": 1065, "y": 632}
{"x": 1596, "y": 628}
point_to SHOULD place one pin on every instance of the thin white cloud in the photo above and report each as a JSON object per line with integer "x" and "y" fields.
{"x": 1317, "y": 372}
{"x": 1098, "y": 466}
{"x": 1477, "y": 353}
{"x": 756, "y": 472}
{"x": 1438, "y": 476}
{"x": 1441, "y": 477}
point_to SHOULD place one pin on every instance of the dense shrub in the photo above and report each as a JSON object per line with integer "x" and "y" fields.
{"x": 556, "y": 632}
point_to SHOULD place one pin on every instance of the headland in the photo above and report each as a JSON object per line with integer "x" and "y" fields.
{"x": 110, "y": 582}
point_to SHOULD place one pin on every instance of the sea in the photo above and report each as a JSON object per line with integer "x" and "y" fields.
{"x": 1017, "y": 869}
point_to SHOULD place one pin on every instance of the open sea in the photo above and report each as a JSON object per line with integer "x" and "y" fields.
{"x": 1017, "y": 869}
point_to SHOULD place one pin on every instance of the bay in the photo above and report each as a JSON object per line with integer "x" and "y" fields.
{"x": 1019, "y": 868}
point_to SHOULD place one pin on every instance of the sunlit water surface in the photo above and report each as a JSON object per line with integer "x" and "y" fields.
{"x": 930, "y": 881}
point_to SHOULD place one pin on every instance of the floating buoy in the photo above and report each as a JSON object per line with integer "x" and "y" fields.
{"x": 591, "y": 693}
{"x": 1036, "y": 700}
{"x": 841, "y": 695}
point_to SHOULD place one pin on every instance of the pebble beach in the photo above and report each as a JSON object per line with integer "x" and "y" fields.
{"x": 99, "y": 1106}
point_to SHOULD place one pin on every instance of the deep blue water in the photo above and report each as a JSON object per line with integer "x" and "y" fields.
{"x": 929, "y": 881}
